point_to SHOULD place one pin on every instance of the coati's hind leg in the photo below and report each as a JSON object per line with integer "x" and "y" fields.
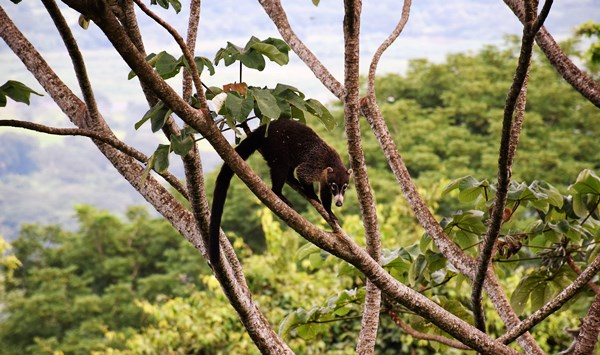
{"x": 308, "y": 189}
{"x": 278, "y": 177}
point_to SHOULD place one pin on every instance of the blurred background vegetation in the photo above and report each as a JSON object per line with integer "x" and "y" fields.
{"x": 133, "y": 285}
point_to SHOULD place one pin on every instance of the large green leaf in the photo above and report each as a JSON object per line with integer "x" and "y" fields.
{"x": 266, "y": 102}
{"x": 161, "y": 158}
{"x": 237, "y": 107}
{"x": 587, "y": 183}
{"x": 524, "y": 289}
{"x": 271, "y": 52}
{"x": 17, "y": 91}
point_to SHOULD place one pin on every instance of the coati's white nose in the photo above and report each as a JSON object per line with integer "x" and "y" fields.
{"x": 339, "y": 200}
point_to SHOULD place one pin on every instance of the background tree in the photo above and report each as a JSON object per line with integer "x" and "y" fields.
{"x": 181, "y": 117}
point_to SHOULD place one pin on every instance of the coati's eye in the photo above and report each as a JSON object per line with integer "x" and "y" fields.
{"x": 333, "y": 187}
{"x": 344, "y": 187}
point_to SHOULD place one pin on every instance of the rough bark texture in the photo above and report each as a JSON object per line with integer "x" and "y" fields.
{"x": 372, "y": 305}
{"x": 588, "y": 334}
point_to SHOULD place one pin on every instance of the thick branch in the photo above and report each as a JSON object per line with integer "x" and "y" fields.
{"x": 578, "y": 79}
{"x": 451, "y": 251}
{"x": 504, "y": 159}
{"x": 372, "y": 305}
{"x": 277, "y": 14}
{"x": 588, "y": 334}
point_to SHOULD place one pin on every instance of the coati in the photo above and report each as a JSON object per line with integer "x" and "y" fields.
{"x": 287, "y": 146}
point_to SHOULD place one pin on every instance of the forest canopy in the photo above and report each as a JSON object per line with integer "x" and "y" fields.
{"x": 131, "y": 285}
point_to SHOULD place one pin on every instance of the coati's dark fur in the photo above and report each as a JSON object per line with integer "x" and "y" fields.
{"x": 288, "y": 147}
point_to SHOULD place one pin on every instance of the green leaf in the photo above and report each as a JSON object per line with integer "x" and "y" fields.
{"x": 266, "y": 102}
{"x": 253, "y": 60}
{"x": 17, "y": 91}
{"x": 271, "y": 52}
{"x": 149, "y": 166}
{"x": 161, "y": 158}
{"x": 167, "y": 66}
{"x": 306, "y": 250}
{"x": 318, "y": 109}
{"x": 236, "y": 107}
{"x": 203, "y": 62}
{"x": 176, "y": 5}
{"x": 587, "y": 183}
{"x": 471, "y": 221}
{"x": 229, "y": 54}
{"x": 522, "y": 292}
{"x": 181, "y": 144}
{"x": 579, "y": 207}
{"x": 158, "y": 115}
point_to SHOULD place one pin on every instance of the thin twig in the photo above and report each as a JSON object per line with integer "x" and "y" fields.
{"x": 385, "y": 45}
{"x": 184, "y": 49}
{"x": 100, "y": 136}
{"x": 78, "y": 64}
{"x": 419, "y": 335}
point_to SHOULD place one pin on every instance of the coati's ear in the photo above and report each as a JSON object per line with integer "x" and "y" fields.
{"x": 325, "y": 173}
{"x": 349, "y": 171}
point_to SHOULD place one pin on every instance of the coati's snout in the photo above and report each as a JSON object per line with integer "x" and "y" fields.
{"x": 339, "y": 200}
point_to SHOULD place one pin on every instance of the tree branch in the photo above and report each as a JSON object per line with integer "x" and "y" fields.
{"x": 588, "y": 334}
{"x": 277, "y": 14}
{"x": 385, "y": 45}
{"x": 504, "y": 159}
{"x": 451, "y": 251}
{"x": 419, "y": 335}
{"x": 555, "y": 304}
{"x": 372, "y": 305}
{"x": 99, "y": 136}
{"x": 78, "y": 63}
{"x": 192, "y": 33}
{"x": 578, "y": 79}
{"x": 184, "y": 49}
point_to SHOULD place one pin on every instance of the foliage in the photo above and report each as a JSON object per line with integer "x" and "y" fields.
{"x": 73, "y": 287}
{"x": 234, "y": 103}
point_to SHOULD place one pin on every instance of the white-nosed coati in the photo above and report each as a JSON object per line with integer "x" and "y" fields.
{"x": 288, "y": 147}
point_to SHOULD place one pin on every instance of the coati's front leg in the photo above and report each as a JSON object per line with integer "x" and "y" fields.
{"x": 325, "y": 193}
{"x": 307, "y": 189}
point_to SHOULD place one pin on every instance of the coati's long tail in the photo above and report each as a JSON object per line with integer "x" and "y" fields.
{"x": 244, "y": 149}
